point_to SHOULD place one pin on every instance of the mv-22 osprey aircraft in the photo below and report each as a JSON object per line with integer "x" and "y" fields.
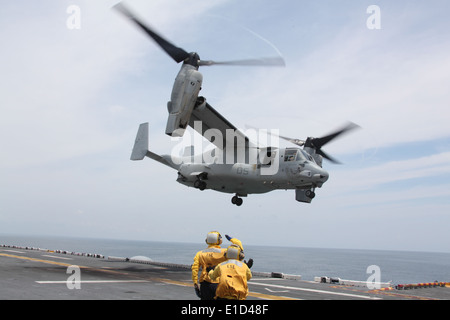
{"x": 237, "y": 165}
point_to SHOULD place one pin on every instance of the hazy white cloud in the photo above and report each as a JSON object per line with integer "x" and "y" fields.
{"x": 428, "y": 166}
{"x": 56, "y": 81}
{"x": 396, "y": 94}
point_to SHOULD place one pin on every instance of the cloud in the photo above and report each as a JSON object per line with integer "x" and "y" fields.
{"x": 423, "y": 167}
{"x": 392, "y": 82}
{"x": 57, "y": 83}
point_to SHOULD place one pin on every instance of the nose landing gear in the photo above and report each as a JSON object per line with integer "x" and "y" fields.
{"x": 310, "y": 194}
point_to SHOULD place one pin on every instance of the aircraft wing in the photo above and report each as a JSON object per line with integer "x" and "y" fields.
{"x": 223, "y": 134}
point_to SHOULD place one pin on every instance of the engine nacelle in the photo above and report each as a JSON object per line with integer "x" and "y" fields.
{"x": 183, "y": 99}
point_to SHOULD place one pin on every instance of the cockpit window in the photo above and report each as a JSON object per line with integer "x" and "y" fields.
{"x": 291, "y": 155}
{"x": 297, "y": 155}
{"x": 307, "y": 155}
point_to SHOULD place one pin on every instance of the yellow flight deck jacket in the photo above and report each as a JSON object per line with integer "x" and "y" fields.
{"x": 210, "y": 257}
{"x": 233, "y": 276}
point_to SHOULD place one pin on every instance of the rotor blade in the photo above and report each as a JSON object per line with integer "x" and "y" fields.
{"x": 176, "y": 53}
{"x": 297, "y": 142}
{"x": 270, "y": 61}
{"x": 320, "y": 142}
{"x": 326, "y": 156}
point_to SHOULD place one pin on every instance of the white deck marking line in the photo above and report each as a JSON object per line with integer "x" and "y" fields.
{"x": 92, "y": 281}
{"x": 14, "y": 251}
{"x": 315, "y": 290}
{"x": 49, "y": 256}
{"x": 267, "y": 279}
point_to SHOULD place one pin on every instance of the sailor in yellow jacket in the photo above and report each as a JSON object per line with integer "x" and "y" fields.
{"x": 233, "y": 275}
{"x": 207, "y": 259}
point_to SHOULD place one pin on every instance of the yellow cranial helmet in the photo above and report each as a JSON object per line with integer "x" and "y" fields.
{"x": 234, "y": 252}
{"x": 213, "y": 238}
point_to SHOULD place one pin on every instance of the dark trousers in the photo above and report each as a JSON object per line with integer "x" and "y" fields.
{"x": 208, "y": 290}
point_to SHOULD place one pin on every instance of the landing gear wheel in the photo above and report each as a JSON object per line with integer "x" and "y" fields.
{"x": 199, "y": 184}
{"x": 310, "y": 194}
{"x": 237, "y": 201}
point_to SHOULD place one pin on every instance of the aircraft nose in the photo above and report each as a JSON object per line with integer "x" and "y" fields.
{"x": 321, "y": 176}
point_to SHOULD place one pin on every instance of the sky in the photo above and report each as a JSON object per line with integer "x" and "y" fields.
{"x": 77, "y": 79}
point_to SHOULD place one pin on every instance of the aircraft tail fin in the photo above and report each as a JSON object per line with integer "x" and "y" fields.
{"x": 141, "y": 143}
{"x": 141, "y": 150}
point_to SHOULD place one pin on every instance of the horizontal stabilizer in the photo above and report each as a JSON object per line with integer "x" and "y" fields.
{"x": 141, "y": 143}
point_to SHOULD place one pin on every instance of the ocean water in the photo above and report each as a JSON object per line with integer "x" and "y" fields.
{"x": 399, "y": 267}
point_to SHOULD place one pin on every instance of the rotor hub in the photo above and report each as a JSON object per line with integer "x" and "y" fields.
{"x": 193, "y": 59}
